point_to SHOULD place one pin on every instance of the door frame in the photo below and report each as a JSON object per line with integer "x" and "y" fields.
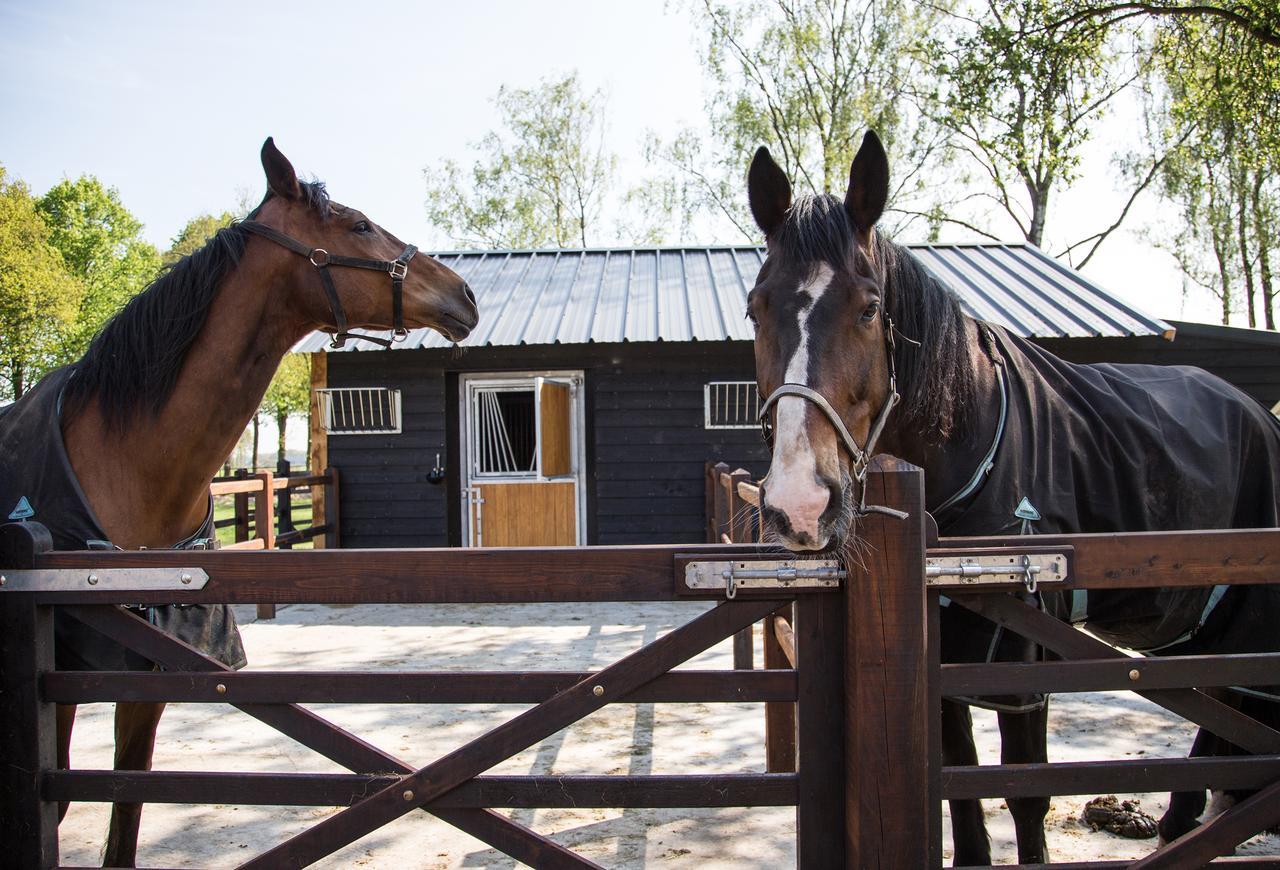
{"x": 578, "y": 442}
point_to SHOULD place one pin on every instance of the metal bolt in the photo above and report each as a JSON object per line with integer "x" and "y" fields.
{"x": 597, "y": 691}
{"x": 1133, "y": 675}
{"x": 186, "y": 578}
{"x": 221, "y": 688}
{"x": 93, "y": 579}
{"x": 408, "y": 794}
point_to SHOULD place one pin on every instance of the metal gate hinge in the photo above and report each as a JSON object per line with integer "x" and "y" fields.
{"x": 1029, "y": 570}
{"x": 781, "y": 574}
{"x": 78, "y": 579}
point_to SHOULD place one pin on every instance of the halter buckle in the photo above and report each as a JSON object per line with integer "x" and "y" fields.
{"x": 323, "y": 256}
{"x": 398, "y": 270}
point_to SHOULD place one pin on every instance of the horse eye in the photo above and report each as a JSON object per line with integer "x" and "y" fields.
{"x": 872, "y": 310}
{"x": 360, "y": 227}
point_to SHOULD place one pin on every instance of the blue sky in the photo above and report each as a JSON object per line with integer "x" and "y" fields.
{"x": 170, "y": 102}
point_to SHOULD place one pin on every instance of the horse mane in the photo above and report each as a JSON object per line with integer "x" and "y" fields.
{"x": 935, "y": 379}
{"x": 133, "y": 362}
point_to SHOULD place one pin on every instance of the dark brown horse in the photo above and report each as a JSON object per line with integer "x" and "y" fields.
{"x": 158, "y": 402}
{"x": 856, "y": 342}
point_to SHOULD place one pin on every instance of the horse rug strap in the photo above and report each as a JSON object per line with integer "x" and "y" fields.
{"x": 398, "y": 269}
{"x": 36, "y": 472}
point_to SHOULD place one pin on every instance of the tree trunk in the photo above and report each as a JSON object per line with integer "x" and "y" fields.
{"x": 1039, "y": 213}
{"x": 18, "y": 385}
{"x": 1246, "y": 267}
{"x": 253, "y": 462}
{"x": 281, "y": 421}
{"x": 1265, "y": 235}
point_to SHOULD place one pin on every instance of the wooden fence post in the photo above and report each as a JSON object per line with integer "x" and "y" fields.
{"x": 779, "y": 716}
{"x": 241, "y": 502}
{"x": 735, "y": 527}
{"x": 820, "y": 731}
{"x": 892, "y": 817}
{"x": 332, "y": 500}
{"x": 264, "y": 525}
{"x": 28, "y": 732}
{"x": 284, "y": 504}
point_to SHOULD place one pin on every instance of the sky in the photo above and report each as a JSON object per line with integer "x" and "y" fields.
{"x": 169, "y": 102}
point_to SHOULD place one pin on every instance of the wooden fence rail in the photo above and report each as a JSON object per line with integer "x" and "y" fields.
{"x": 263, "y": 511}
{"x": 855, "y": 666}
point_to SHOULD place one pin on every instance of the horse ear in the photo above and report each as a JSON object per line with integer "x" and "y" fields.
{"x": 768, "y": 191}
{"x": 281, "y": 179}
{"x": 868, "y": 184}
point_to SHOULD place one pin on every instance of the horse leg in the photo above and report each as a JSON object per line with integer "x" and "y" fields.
{"x": 1023, "y": 740}
{"x": 971, "y": 845}
{"x": 135, "y": 741}
{"x": 66, "y": 718}
{"x": 1186, "y": 806}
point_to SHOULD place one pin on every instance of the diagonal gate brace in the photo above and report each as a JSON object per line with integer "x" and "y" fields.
{"x": 1225, "y": 721}
{"x": 515, "y": 735}
{"x": 328, "y": 739}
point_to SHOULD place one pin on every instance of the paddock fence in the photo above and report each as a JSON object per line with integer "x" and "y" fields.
{"x": 1085, "y": 664}
{"x": 864, "y": 687}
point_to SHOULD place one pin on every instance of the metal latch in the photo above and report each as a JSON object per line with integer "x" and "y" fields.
{"x": 780, "y": 574}
{"x": 1027, "y": 569}
{"x": 78, "y": 579}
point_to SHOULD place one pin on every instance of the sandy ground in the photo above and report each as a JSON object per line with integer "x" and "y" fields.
{"x": 624, "y": 738}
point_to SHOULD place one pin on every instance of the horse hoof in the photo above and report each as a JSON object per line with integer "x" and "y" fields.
{"x": 1124, "y": 818}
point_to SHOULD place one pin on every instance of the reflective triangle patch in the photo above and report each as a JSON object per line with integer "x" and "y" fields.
{"x": 1026, "y": 510}
{"x": 23, "y": 510}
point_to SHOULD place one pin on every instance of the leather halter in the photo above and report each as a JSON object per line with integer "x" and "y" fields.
{"x": 861, "y": 456}
{"x": 398, "y": 269}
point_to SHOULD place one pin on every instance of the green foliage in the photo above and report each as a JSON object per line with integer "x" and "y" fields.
{"x": 1223, "y": 85}
{"x": 39, "y": 298}
{"x": 289, "y": 393}
{"x": 1022, "y": 100}
{"x": 804, "y": 77}
{"x": 198, "y": 230}
{"x": 539, "y": 181}
{"x": 101, "y": 243}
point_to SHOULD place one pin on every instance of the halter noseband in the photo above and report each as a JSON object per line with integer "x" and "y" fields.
{"x": 398, "y": 269}
{"x": 861, "y": 456}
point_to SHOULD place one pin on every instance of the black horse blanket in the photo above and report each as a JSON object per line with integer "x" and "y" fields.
{"x": 37, "y": 483}
{"x": 1102, "y": 448}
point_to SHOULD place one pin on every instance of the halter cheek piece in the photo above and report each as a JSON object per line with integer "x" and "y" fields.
{"x": 861, "y": 456}
{"x": 398, "y": 269}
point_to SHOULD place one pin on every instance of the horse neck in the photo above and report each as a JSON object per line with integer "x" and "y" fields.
{"x": 950, "y": 464}
{"x": 148, "y": 481}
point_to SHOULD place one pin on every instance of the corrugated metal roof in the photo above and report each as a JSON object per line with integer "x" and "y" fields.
{"x": 699, "y": 294}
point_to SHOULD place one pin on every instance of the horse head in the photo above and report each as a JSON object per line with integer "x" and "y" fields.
{"x": 823, "y": 347}
{"x": 367, "y": 277}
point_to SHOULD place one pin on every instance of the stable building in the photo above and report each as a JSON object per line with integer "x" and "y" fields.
{"x": 598, "y": 383}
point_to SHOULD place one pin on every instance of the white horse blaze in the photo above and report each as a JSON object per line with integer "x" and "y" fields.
{"x": 792, "y": 485}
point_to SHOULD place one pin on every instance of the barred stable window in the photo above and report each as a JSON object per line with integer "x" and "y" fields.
{"x": 731, "y": 404}
{"x": 360, "y": 410}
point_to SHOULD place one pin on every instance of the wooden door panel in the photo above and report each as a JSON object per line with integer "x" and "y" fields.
{"x": 555, "y": 409}
{"x": 528, "y": 514}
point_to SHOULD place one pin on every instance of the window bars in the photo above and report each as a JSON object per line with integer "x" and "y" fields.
{"x": 731, "y": 405}
{"x": 360, "y": 410}
{"x": 504, "y": 435}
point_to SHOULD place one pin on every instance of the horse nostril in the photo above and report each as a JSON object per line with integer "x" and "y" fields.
{"x": 466, "y": 290}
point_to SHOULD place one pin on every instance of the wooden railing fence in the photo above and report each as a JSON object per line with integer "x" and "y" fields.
{"x": 263, "y": 511}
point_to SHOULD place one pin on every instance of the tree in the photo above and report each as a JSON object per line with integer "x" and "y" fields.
{"x": 539, "y": 181}
{"x": 1257, "y": 20}
{"x": 194, "y": 235}
{"x": 1022, "y": 101}
{"x": 1219, "y": 81}
{"x": 101, "y": 244}
{"x": 38, "y": 296}
{"x": 288, "y": 394}
{"x": 805, "y": 77}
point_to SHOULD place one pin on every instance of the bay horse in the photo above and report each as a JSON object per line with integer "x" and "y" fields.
{"x": 1012, "y": 440}
{"x": 135, "y": 430}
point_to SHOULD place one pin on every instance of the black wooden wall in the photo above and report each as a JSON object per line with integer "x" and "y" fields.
{"x": 646, "y": 442}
